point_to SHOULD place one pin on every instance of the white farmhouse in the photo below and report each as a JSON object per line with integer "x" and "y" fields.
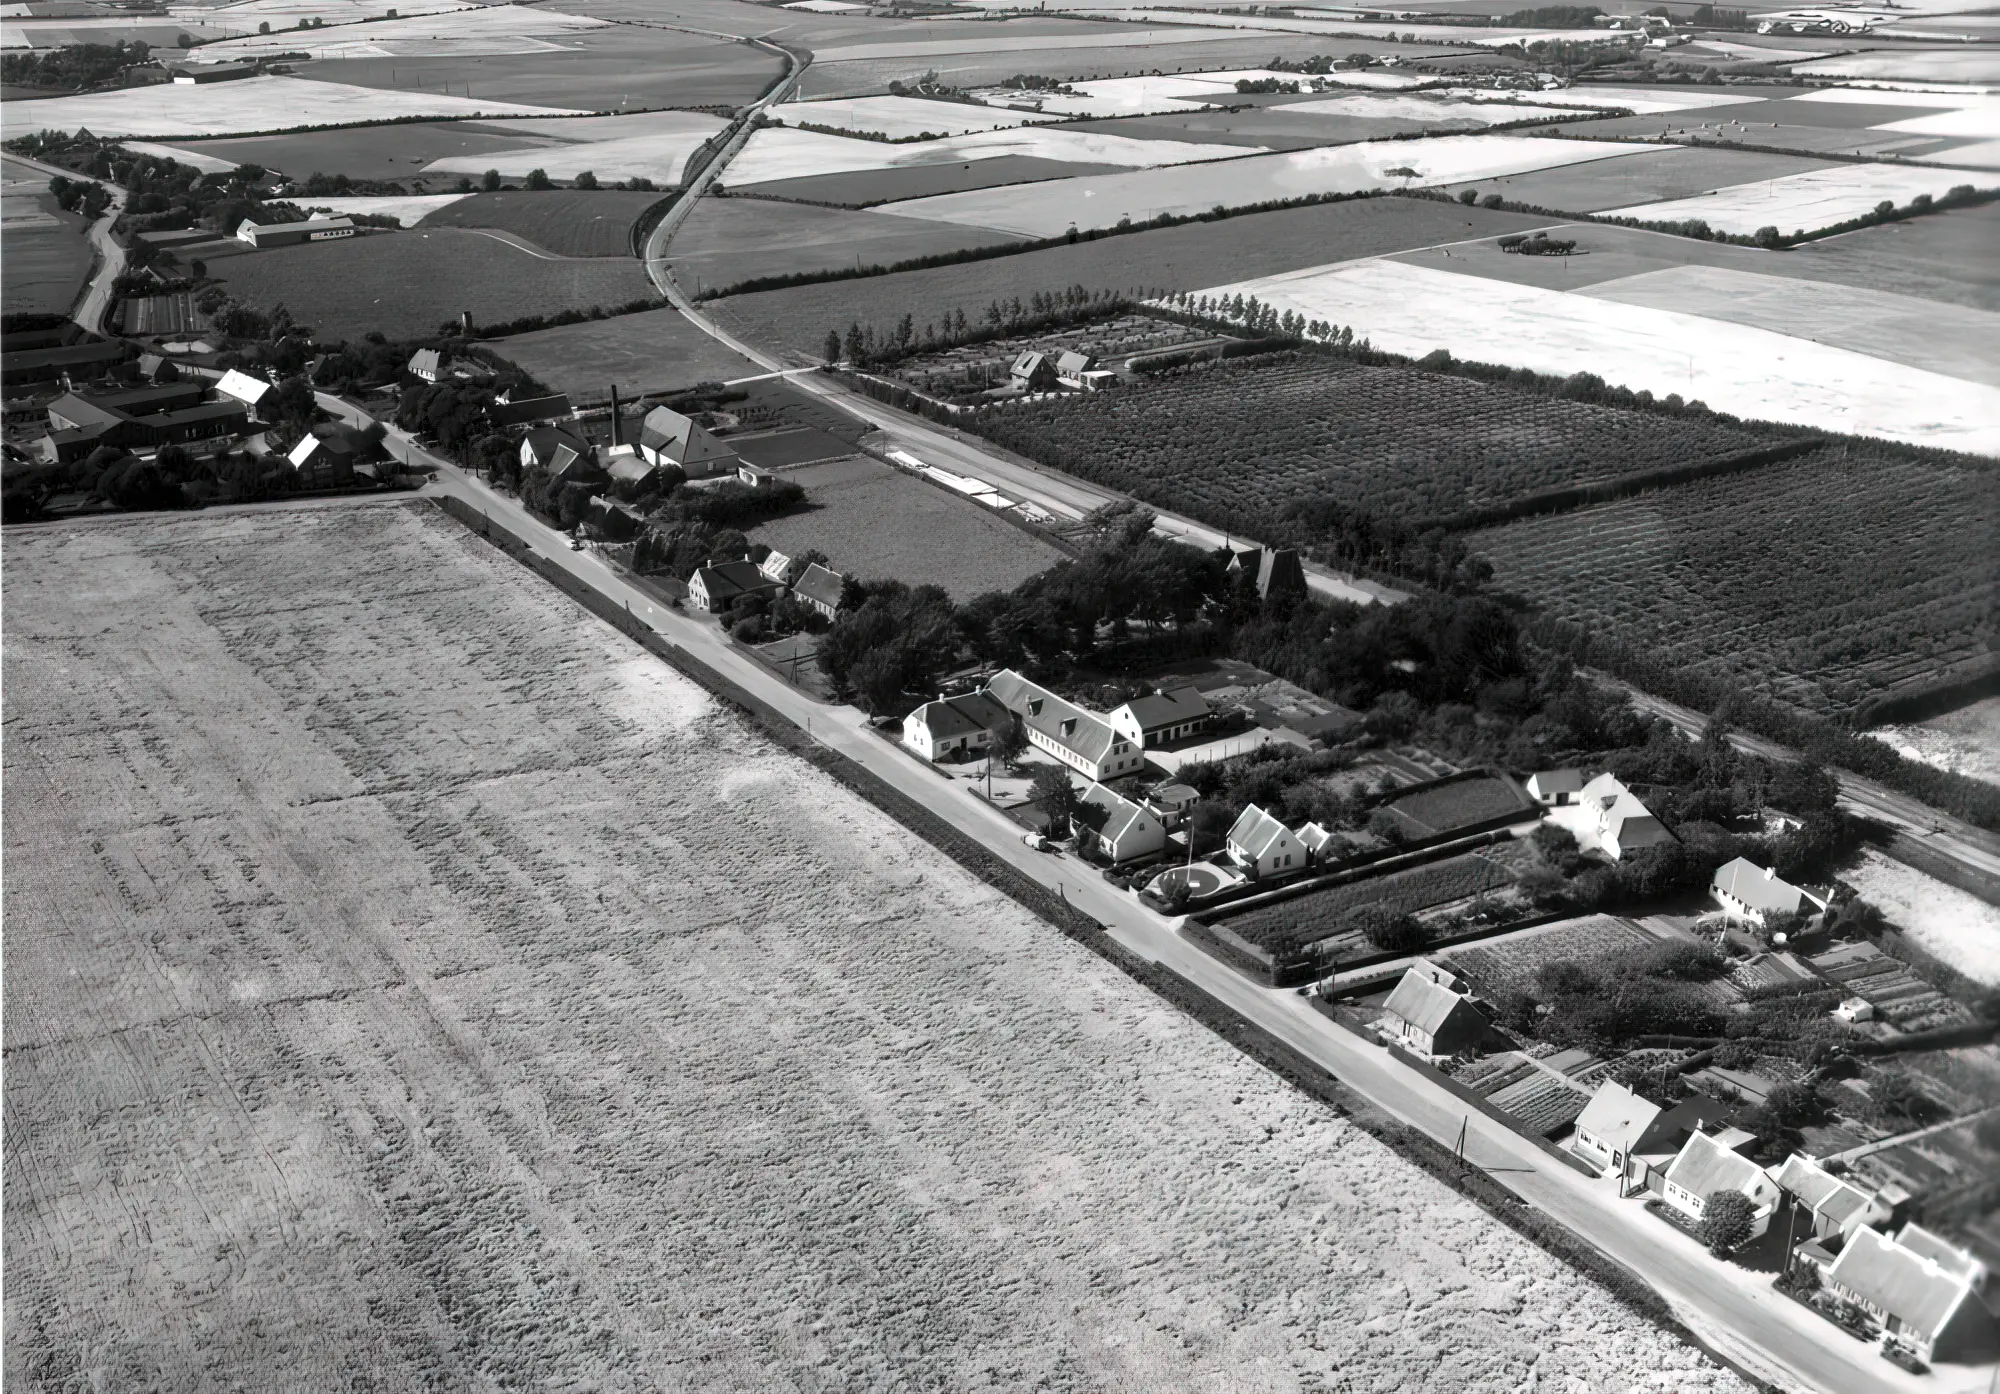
{"x": 955, "y": 727}
{"x": 1080, "y": 739}
{"x": 1263, "y": 846}
{"x": 1128, "y": 830}
{"x": 1746, "y": 891}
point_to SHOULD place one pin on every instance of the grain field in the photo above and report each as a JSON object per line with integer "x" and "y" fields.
{"x": 409, "y": 985}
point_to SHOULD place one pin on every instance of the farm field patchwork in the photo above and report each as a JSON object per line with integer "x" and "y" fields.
{"x": 624, "y": 68}
{"x": 1806, "y": 201}
{"x": 651, "y": 145}
{"x": 1412, "y": 309}
{"x": 406, "y": 284}
{"x": 1290, "y": 925}
{"x": 1941, "y": 338}
{"x": 650, "y": 351}
{"x": 875, "y": 521}
{"x": 1102, "y": 200}
{"x": 1909, "y": 65}
{"x": 1241, "y": 445}
{"x": 568, "y": 222}
{"x": 899, "y": 117}
{"x": 246, "y": 105}
{"x": 1945, "y": 256}
{"x": 775, "y": 153}
{"x": 1657, "y": 175}
{"x": 727, "y": 240}
{"x": 474, "y": 31}
{"x": 399, "y": 151}
{"x": 1819, "y": 582}
{"x": 409, "y": 210}
{"x": 1175, "y": 258}
{"x": 871, "y": 187}
{"x": 45, "y": 250}
{"x": 378, "y": 1001}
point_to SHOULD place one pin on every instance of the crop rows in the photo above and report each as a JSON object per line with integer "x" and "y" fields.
{"x": 1511, "y": 965}
{"x": 1817, "y": 582}
{"x": 1291, "y": 923}
{"x": 1456, "y": 805}
{"x": 1238, "y": 445}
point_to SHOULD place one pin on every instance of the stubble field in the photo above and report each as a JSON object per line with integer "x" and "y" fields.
{"x": 410, "y": 985}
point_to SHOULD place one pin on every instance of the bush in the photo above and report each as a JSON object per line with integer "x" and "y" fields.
{"x": 1387, "y": 928}
{"x": 1726, "y": 1221}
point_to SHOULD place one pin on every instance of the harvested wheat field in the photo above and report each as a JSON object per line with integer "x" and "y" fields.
{"x": 410, "y": 985}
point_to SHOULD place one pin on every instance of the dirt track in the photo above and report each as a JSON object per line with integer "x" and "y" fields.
{"x": 409, "y": 985}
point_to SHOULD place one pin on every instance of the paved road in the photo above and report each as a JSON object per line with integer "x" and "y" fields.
{"x": 97, "y": 300}
{"x": 1947, "y": 836}
{"x": 1736, "y": 1312}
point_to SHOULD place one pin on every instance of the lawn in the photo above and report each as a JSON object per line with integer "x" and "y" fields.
{"x": 1291, "y": 924}
{"x": 728, "y": 240}
{"x": 1819, "y": 582}
{"x": 406, "y": 284}
{"x": 568, "y": 222}
{"x": 408, "y": 978}
{"x": 651, "y": 351}
{"x": 875, "y": 521}
{"x": 1175, "y": 258}
{"x": 1461, "y": 804}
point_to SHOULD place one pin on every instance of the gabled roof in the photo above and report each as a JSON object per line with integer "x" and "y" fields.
{"x": 1256, "y": 831}
{"x": 1167, "y": 708}
{"x": 631, "y": 469}
{"x": 243, "y": 387}
{"x": 821, "y": 585}
{"x": 963, "y": 715}
{"x": 1121, "y": 814}
{"x": 730, "y": 578}
{"x": 1556, "y": 781}
{"x": 1280, "y": 571}
{"x": 1313, "y": 837}
{"x": 1174, "y": 795}
{"x": 1616, "y": 1116}
{"x": 545, "y": 444}
{"x": 1757, "y": 887}
{"x": 778, "y": 567}
{"x": 1426, "y": 1003}
{"x": 426, "y": 361}
{"x": 1945, "y": 1255}
{"x": 1622, "y": 815}
{"x": 1823, "y": 1193}
{"x": 1071, "y": 363}
{"x": 1027, "y": 362}
{"x": 1705, "y": 1166}
{"x": 1084, "y": 734}
{"x": 1907, "y": 1285}
{"x": 679, "y": 439}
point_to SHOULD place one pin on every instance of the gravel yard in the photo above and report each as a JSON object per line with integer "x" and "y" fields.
{"x": 407, "y": 979}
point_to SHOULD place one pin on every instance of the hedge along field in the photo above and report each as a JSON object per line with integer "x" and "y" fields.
{"x": 1820, "y": 582}
{"x": 407, "y": 283}
{"x": 568, "y": 222}
{"x": 1175, "y": 258}
{"x": 1291, "y": 924}
{"x": 1239, "y": 445}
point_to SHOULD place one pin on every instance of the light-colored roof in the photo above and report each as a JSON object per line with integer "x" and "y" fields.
{"x": 242, "y": 387}
{"x": 1167, "y": 708}
{"x": 1083, "y": 733}
{"x": 1313, "y": 837}
{"x": 1757, "y": 887}
{"x": 1070, "y": 363}
{"x": 425, "y": 361}
{"x": 1823, "y": 1193}
{"x": 778, "y": 567}
{"x": 679, "y": 439}
{"x": 1027, "y": 362}
{"x": 630, "y": 469}
{"x": 308, "y": 444}
{"x": 1907, "y": 1285}
{"x": 1940, "y": 1251}
{"x": 1256, "y": 831}
{"x": 1616, "y": 1116}
{"x": 1622, "y": 815}
{"x": 1705, "y": 1166}
{"x": 1121, "y": 814}
{"x": 1556, "y": 781}
{"x": 1174, "y": 795}
{"x": 822, "y": 585}
{"x": 961, "y": 716}
{"x": 1426, "y": 1003}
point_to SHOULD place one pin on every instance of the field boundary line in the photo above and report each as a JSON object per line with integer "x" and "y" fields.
{"x": 1231, "y": 1026}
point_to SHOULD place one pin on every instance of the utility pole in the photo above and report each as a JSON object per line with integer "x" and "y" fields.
{"x": 1459, "y": 1150}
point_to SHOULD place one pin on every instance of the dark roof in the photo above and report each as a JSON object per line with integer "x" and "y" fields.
{"x": 821, "y": 585}
{"x": 1280, "y": 572}
{"x": 961, "y": 716}
{"x": 630, "y": 469}
{"x": 732, "y": 578}
{"x": 1426, "y": 1003}
{"x": 544, "y": 441}
{"x": 1084, "y": 734}
{"x": 1166, "y": 708}
{"x": 530, "y": 409}
{"x": 105, "y": 352}
{"x": 207, "y": 411}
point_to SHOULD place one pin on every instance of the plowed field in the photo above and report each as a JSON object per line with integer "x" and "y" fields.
{"x": 409, "y": 985}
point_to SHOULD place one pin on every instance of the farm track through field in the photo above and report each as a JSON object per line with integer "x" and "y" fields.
{"x": 410, "y": 978}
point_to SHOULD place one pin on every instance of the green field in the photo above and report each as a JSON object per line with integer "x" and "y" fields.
{"x": 406, "y": 284}
{"x": 1186, "y": 257}
{"x": 864, "y": 187}
{"x": 568, "y": 222}
{"x": 728, "y": 240}
{"x": 653, "y": 351}
{"x": 1820, "y": 582}
{"x": 46, "y": 254}
{"x": 398, "y": 151}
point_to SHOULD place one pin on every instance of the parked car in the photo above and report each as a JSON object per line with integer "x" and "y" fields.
{"x": 1897, "y": 1353}
{"x": 1036, "y": 841}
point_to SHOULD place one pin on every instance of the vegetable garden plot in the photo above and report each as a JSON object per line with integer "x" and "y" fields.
{"x": 1818, "y": 582}
{"x": 1289, "y": 924}
{"x": 1238, "y": 446}
{"x": 1461, "y": 803}
{"x": 1511, "y": 965}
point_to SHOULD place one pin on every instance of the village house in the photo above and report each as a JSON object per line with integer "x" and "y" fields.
{"x": 1708, "y": 1163}
{"x": 427, "y": 364}
{"x": 1838, "y": 1207}
{"x": 1607, "y": 817}
{"x": 1162, "y": 718}
{"x": 780, "y": 568}
{"x": 138, "y": 418}
{"x": 238, "y": 386}
{"x": 1279, "y": 572}
{"x": 1746, "y": 891}
{"x": 955, "y": 727}
{"x": 327, "y": 456}
{"x": 1263, "y": 846}
{"x": 1316, "y": 840}
{"x": 1925, "y": 1292}
{"x": 1128, "y": 830}
{"x": 1431, "y": 1012}
{"x": 1555, "y": 788}
{"x": 1080, "y": 739}
{"x": 556, "y": 449}
{"x": 668, "y": 438}
{"x": 1033, "y": 372}
{"x": 715, "y": 588}
{"x": 1170, "y": 803}
{"x": 822, "y": 589}
{"x": 1611, "y": 1127}
{"x": 1071, "y": 366}
{"x": 628, "y": 470}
